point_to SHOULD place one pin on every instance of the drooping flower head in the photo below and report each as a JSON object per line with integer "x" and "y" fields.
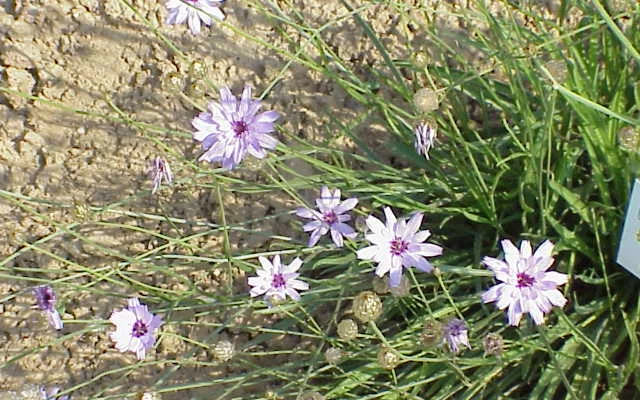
{"x": 398, "y": 244}
{"x": 232, "y": 128}
{"x": 425, "y": 136}
{"x": 194, "y": 12}
{"x": 46, "y": 298}
{"x": 330, "y": 217}
{"x": 455, "y": 334}
{"x": 277, "y": 281}
{"x": 135, "y": 328}
{"x": 526, "y": 285}
{"x": 160, "y": 171}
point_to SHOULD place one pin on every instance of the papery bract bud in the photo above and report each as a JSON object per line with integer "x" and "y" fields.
{"x": 493, "y": 344}
{"x": 347, "y": 329}
{"x": 431, "y": 333}
{"x": 387, "y": 358}
{"x": 367, "y": 306}
{"x": 333, "y": 355}
{"x": 223, "y": 351}
{"x": 426, "y": 100}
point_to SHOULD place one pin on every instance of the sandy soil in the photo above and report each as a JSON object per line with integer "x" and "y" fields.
{"x": 83, "y": 54}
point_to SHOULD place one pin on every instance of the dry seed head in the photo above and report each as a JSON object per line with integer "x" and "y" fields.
{"x": 333, "y": 355}
{"x": 426, "y": 100}
{"x": 347, "y": 329}
{"x": 431, "y": 333}
{"x": 493, "y": 344}
{"x": 367, "y": 306}
{"x": 403, "y": 289}
{"x": 387, "y": 358}
{"x": 223, "y": 351}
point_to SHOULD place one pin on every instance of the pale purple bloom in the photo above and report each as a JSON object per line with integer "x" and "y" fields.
{"x": 160, "y": 171}
{"x": 51, "y": 394}
{"x": 46, "y": 299}
{"x": 276, "y": 281}
{"x": 232, "y": 128}
{"x": 135, "y": 328}
{"x": 425, "y": 136}
{"x": 194, "y": 12}
{"x": 455, "y": 334}
{"x": 329, "y": 218}
{"x": 526, "y": 285}
{"x": 398, "y": 244}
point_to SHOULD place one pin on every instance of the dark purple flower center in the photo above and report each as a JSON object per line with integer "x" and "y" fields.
{"x": 330, "y": 217}
{"x": 139, "y": 329}
{"x": 398, "y": 246}
{"x": 239, "y": 127}
{"x": 525, "y": 280}
{"x": 46, "y": 298}
{"x": 278, "y": 281}
{"x": 455, "y": 329}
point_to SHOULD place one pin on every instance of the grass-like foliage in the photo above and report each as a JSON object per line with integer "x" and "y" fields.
{"x": 530, "y": 106}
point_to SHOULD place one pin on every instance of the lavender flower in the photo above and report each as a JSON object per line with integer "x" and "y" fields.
{"x": 526, "y": 285}
{"x": 425, "y": 137}
{"x": 330, "y": 217}
{"x": 398, "y": 244}
{"x": 52, "y": 393}
{"x": 46, "y": 299}
{"x": 232, "y": 128}
{"x": 135, "y": 327}
{"x": 455, "y": 334}
{"x": 160, "y": 171}
{"x": 194, "y": 12}
{"x": 276, "y": 280}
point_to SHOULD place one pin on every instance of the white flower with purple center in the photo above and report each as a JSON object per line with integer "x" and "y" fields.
{"x": 135, "y": 328}
{"x": 160, "y": 171}
{"x": 425, "y": 136}
{"x": 455, "y": 334}
{"x": 277, "y": 281}
{"x": 398, "y": 244}
{"x": 194, "y": 12}
{"x": 233, "y": 128}
{"x": 330, "y": 217}
{"x": 46, "y": 298}
{"x": 526, "y": 285}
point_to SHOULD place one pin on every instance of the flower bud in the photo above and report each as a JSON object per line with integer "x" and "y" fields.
{"x": 403, "y": 289}
{"x": 629, "y": 138}
{"x": 380, "y": 285}
{"x": 387, "y": 358}
{"x": 150, "y": 396}
{"x": 311, "y": 396}
{"x": 223, "y": 351}
{"x": 347, "y": 329}
{"x": 367, "y": 306}
{"x": 493, "y": 344}
{"x": 431, "y": 333}
{"x": 333, "y": 355}
{"x": 426, "y": 100}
